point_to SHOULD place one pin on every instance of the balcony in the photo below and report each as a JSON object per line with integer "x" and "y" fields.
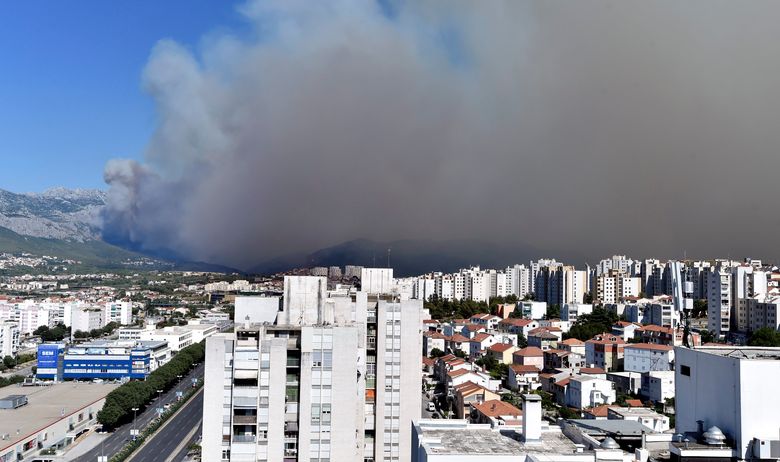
{"x": 244, "y": 438}
{"x": 245, "y": 419}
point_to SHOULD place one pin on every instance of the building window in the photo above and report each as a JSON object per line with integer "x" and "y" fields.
{"x": 685, "y": 370}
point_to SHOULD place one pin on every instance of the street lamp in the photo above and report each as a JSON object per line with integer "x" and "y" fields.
{"x": 133, "y": 431}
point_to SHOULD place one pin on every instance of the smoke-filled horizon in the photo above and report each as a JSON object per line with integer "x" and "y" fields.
{"x": 598, "y": 126}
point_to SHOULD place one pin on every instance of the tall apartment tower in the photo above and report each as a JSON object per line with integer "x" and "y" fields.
{"x": 316, "y": 375}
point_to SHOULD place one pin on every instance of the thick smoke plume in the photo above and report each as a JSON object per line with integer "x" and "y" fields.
{"x": 651, "y": 128}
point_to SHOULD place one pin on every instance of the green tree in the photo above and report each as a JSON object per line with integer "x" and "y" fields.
{"x": 707, "y": 336}
{"x": 553, "y": 312}
{"x": 9, "y": 362}
{"x": 436, "y": 353}
{"x": 699, "y": 308}
{"x": 766, "y": 336}
{"x": 522, "y": 342}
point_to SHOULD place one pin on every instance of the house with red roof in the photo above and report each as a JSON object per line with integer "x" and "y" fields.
{"x": 518, "y": 326}
{"x": 605, "y": 351}
{"x": 562, "y": 359}
{"x": 433, "y": 340}
{"x": 502, "y": 352}
{"x": 479, "y": 344}
{"x": 529, "y": 356}
{"x": 523, "y": 378}
{"x": 544, "y": 337}
{"x": 468, "y": 394}
{"x": 496, "y": 413}
{"x": 625, "y": 329}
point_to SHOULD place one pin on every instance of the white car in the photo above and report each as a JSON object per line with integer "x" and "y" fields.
{"x": 431, "y": 406}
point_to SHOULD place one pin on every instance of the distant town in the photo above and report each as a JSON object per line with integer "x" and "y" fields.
{"x": 533, "y": 359}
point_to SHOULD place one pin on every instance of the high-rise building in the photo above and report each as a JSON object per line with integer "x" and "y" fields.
{"x": 316, "y": 375}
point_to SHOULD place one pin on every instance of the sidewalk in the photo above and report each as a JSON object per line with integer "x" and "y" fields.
{"x": 82, "y": 447}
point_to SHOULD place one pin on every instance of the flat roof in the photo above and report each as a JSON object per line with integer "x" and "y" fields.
{"x": 741, "y": 352}
{"x": 475, "y": 439}
{"x": 47, "y": 405}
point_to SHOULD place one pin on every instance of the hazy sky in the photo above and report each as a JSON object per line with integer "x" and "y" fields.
{"x": 604, "y": 126}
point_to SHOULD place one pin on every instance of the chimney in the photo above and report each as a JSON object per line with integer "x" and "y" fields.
{"x": 532, "y": 418}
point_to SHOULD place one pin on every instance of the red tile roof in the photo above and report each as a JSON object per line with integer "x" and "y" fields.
{"x": 598, "y": 411}
{"x": 496, "y": 408}
{"x": 573, "y": 341}
{"x": 516, "y": 322}
{"x": 457, "y": 338}
{"x": 529, "y": 351}
{"x": 634, "y": 403}
{"x": 524, "y": 369}
{"x": 501, "y": 347}
{"x": 481, "y": 337}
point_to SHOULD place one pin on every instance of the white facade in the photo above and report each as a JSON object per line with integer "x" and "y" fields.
{"x": 86, "y": 318}
{"x": 644, "y": 357}
{"x": 336, "y": 378}
{"x": 719, "y": 299}
{"x": 658, "y": 386}
{"x": 572, "y": 311}
{"x": 732, "y": 388}
{"x": 9, "y": 339}
{"x": 587, "y": 391}
{"x": 178, "y": 338}
{"x": 118, "y": 312}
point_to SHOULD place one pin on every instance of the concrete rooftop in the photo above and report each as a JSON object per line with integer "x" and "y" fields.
{"x": 46, "y": 405}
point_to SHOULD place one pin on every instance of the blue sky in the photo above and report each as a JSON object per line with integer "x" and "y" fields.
{"x": 70, "y": 82}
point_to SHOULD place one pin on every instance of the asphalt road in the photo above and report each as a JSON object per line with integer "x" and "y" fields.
{"x": 161, "y": 447}
{"x": 121, "y": 435}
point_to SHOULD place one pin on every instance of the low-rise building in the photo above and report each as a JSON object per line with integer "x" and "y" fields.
{"x": 468, "y": 394}
{"x": 523, "y": 378}
{"x": 53, "y": 418}
{"x": 529, "y": 356}
{"x": 502, "y": 352}
{"x": 496, "y": 413}
{"x": 544, "y": 337}
{"x": 177, "y": 337}
{"x": 433, "y": 340}
{"x": 645, "y": 357}
{"x": 657, "y": 386}
{"x": 647, "y": 417}
{"x": 605, "y": 351}
{"x": 102, "y": 359}
{"x": 625, "y": 329}
{"x": 585, "y": 391}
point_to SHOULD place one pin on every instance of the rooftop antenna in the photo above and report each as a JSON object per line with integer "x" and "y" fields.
{"x": 388, "y": 257}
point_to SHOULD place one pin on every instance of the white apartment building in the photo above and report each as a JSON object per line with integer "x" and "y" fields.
{"x": 657, "y": 386}
{"x": 9, "y": 339}
{"x": 733, "y": 388}
{"x": 719, "y": 300}
{"x": 616, "y": 286}
{"x": 178, "y": 337}
{"x": 663, "y": 314}
{"x": 572, "y": 311}
{"x": 587, "y": 391}
{"x": 86, "y": 318}
{"x": 316, "y": 376}
{"x": 646, "y": 357}
{"x": 120, "y": 312}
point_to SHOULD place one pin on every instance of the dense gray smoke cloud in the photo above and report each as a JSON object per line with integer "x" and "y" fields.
{"x": 644, "y": 127}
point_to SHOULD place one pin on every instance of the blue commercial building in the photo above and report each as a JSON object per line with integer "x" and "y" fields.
{"x": 109, "y": 360}
{"x": 49, "y": 365}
